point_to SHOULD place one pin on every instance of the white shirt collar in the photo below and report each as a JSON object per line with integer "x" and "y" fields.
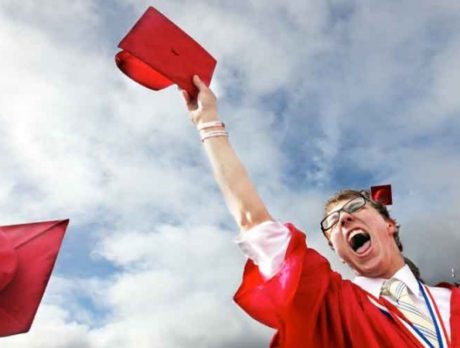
{"x": 374, "y": 285}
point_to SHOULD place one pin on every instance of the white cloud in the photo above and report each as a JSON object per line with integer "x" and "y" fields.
{"x": 177, "y": 285}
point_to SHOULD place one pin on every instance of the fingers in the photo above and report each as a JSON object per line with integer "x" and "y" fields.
{"x": 191, "y": 104}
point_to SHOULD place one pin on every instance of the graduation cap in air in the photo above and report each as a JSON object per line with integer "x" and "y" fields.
{"x": 382, "y": 194}
{"x": 27, "y": 256}
{"x": 157, "y": 53}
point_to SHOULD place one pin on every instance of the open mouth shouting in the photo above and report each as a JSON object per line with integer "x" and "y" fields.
{"x": 359, "y": 240}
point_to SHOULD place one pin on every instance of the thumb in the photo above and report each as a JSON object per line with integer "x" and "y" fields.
{"x": 198, "y": 83}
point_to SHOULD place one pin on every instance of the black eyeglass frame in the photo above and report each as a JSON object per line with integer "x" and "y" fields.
{"x": 344, "y": 208}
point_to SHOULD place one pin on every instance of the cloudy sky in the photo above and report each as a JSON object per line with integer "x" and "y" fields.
{"x": 316, "y": 95}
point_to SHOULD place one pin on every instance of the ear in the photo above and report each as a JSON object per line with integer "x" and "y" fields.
{"x": 391, "y": 226}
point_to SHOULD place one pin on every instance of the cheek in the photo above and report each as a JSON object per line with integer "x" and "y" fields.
{"x": 337, "y": 242}
{"x": 342, "y": 252}
{"x": 332, "y": 237}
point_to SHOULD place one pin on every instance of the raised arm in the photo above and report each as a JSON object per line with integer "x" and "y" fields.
{"x": 240, "y": 194}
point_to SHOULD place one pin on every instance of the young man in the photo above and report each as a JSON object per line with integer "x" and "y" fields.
{"x": 290, "y": 287}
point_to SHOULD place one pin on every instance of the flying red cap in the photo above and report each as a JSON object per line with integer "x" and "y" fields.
{"x": 27, "y": 256}
{"x": 382, "y": 194}
{"x": 157, "y": 53}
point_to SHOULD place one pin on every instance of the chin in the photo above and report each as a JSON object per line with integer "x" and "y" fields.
{"x": 373, "y": 270}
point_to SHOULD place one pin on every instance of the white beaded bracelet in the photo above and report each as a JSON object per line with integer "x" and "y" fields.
{"x": 210, "y": 124}
{"x": 212, "y": 134}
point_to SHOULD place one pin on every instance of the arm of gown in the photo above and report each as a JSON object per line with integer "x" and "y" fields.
{"x": 266, "y": 245}
{"x": 304, "y": 272}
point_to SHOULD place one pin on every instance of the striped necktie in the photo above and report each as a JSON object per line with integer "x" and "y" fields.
{"x": 398, "y": 291}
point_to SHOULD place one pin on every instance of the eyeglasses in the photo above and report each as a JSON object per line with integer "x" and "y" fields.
{"x": 350, "y": 207}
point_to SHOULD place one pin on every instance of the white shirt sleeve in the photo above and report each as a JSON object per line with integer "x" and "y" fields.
{"x": 266, "y": 245}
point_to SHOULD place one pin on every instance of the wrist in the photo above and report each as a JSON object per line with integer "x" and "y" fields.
{"x": 213, "y": 134}
{"x": 210, "y": 125}
{"x": 211, "y": 129}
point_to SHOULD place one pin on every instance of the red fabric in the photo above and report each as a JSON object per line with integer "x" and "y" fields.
{"x": 312, "y": 306}
{"x": 141, "y": 72}
{"x": 8, "y": 261}
{"x": 157, "y": 53}
{"x": 35, "y": 247}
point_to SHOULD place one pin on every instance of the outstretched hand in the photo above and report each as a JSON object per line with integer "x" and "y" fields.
{"x": 202, "y": 108}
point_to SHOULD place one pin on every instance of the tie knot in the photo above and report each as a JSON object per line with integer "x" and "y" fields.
{"x": 395, "y": 289}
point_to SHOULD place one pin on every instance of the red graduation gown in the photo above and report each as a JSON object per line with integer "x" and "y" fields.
{"x": 312, "y": 306}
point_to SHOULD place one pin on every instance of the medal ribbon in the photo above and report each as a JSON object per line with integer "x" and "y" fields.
{"x": 390, "y": 310}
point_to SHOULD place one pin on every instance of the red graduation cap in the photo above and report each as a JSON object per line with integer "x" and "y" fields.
{"x": 157, "y": 53}
{"x": 382, "y": 194}
{"x": 27, "y": 256}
